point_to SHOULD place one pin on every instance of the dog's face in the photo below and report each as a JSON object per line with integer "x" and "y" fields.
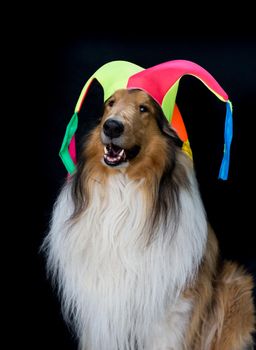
{"x": 133, "y": 136}
{"x": 131, "y": 118}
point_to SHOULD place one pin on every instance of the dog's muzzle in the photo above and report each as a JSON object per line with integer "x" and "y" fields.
{"x": 114, "y": 153}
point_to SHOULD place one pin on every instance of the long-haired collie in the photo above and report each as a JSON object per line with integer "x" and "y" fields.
{"x": 131, "y": 250}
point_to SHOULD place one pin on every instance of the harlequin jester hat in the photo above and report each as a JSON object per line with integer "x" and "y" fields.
{"x": 161, "y": 83}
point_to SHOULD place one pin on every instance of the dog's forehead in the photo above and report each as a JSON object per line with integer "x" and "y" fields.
{"x": 131, "y": 95}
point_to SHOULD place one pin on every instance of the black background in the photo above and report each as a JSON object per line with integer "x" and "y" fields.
{"x": 62, "y": 56}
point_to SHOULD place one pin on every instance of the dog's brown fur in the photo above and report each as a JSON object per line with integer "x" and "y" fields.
{"x": 223, "y": 311}
{"x": 223, "y": 317}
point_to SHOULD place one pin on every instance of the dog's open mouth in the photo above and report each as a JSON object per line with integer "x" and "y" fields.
{"x": 115, "y": 155}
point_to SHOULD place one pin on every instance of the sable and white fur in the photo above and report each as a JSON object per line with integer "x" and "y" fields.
{"x": 130, "y": 249}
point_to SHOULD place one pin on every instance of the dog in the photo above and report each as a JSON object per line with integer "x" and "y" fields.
{"x": 136, "y": 262}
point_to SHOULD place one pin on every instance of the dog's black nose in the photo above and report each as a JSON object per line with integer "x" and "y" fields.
{"x": 113, "y": 128}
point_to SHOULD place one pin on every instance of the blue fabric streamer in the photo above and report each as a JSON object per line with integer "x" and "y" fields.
{"x": 228, "y": 134}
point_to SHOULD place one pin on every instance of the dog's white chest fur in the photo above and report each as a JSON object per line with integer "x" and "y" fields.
{"x": 123, "y": 294}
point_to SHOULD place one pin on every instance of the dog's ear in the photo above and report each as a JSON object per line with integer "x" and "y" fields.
{"x": 166, "y": 129}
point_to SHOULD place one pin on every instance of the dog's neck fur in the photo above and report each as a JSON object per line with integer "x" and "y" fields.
{"x": 114, "y": 285}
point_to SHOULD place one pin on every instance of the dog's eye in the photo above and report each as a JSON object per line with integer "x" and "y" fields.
{"x": 143, "y": 109}
{"x": 111, "y": 103}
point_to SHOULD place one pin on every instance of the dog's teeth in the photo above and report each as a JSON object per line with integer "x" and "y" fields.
{"x": 113, "y": 156}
